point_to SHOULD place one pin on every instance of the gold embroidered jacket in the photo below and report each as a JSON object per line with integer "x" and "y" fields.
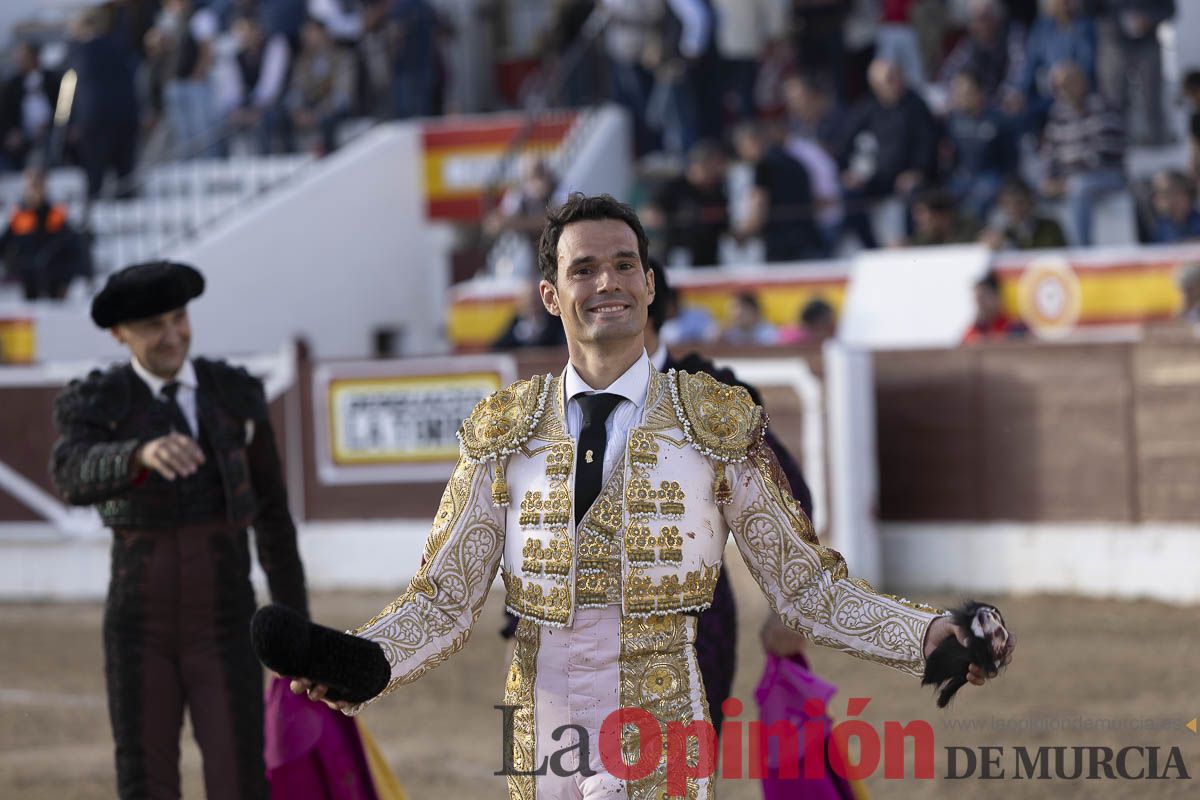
{"x": 694, "y": 469}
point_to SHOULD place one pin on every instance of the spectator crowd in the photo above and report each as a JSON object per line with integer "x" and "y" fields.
{"x": 1005, "y": 122}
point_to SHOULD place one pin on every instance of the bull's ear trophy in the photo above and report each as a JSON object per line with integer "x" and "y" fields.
{"x": 989, "y": 645}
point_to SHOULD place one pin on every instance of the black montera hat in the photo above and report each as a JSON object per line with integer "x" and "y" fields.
{"x": 145, "y": 290}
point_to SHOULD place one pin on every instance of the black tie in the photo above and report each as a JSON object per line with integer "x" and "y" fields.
{"x": 589, "y": 458}
{"x": 179, "y": 422}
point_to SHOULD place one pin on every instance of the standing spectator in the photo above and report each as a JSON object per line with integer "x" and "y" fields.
{"x": 982, "y": 147}
{"x": 818, "y": 40}
{"x": 897, "y": 41}
{"x": 259, "y": 81}
{"x": 39, "y": 248}
{"x": 1175, "y": 216}
{"x": 1020, "y": 227}
{"x": 818, "y": 322}
{"x": 1061, "y": 34}
{"x": 322, "y": 90}
{"x": 748, "y": 30}
{"x": 188, "y": 35}
{"x": 811, "y": 109}
{"x": 1129, "y": 66}
{"x": 991, "y": 323}
{"x": 26, "y": 108}
{"x": 631, "y": 27}
{"x": 416, "y": 80}
{"x": 888, "y": 147}
{"x": 517, "y": 220}
{"x": 104, "y": 117}
{"x": 811, "y": 133}
{"x": 692, "y": 209}
{"x": 993, "y": 50}
{"x": 1189, "y": 289}
{"x": 781, "y": 206}
{"x": 1085, "y": 148}
{"x": 282, "y": 16}
{"x": 568, "y": 55}
{"x": 937, "y": 220}
{"x": 746, "y": 324}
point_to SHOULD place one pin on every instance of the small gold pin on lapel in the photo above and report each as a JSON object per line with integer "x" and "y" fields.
{"x": 588, "y": 456}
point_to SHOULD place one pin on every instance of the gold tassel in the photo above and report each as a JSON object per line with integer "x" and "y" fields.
{"x": 722, "y": 491}
{"x": 500, "y": 486}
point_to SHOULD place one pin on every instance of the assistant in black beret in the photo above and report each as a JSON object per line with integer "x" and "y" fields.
{"x": 145, "y": 290}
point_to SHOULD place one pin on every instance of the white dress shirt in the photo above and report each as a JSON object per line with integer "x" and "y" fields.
{"x": 186, "y": 396}
{"x": 632, "y": 386}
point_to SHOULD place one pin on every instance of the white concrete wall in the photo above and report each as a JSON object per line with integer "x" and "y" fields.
{"x": 1091, "y": 559}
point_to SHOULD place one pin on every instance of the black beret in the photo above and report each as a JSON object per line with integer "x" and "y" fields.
{"x": 145, "y": 290}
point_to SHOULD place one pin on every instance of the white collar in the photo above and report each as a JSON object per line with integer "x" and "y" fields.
{"x": 659, "y": 359}
{"x": 633, "y": 385}
{"x": 186, "y": 376}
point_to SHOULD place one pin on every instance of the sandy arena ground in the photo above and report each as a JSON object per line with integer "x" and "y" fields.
{"x": 1084, "y": 670}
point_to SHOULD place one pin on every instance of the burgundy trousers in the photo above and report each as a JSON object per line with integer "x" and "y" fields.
{"x": 176, "y": 636}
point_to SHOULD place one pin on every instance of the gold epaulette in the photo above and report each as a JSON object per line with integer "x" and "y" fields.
{"x": 721, "y": 421}
{"x": 501, "y": 423}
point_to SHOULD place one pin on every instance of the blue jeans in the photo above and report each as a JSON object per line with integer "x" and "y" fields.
{"x": 1084, "y": 190}
{"x": 193, "y": 117}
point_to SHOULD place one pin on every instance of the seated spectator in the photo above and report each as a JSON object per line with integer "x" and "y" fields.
{"x": 26, "y": 108}
{"x": 1020, "y": 226}
{"x": 818, "y": 322}
{"x": 1175, "y": 216}
{"x": 1189, "y": 289}
{"x": 1129, "y": 64}
{"x": 683, "y": 324}
{"x": 1061, "y": 34}
{"x": 1084, "y": 148}
{"x": 692, "y": 210}
{"x": 889, "y": 145}
{"x": 532, "y": 326}
{"x": 781, "y": 209}
{"x": 39, "y": 248}
{"x": 522, "y": 208}
{"x": 993, "y": 50}
{"x": 746, "y": 324}
{"x": 982, "y": 146}
{"x": 322, "y": 89}
{"x": 991, "y": 323}
{"x": 937, "y": 220}
{"x": 257, "y": 80}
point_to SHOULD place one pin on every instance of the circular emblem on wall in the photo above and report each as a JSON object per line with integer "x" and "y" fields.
{"x": 1049, "y": 297}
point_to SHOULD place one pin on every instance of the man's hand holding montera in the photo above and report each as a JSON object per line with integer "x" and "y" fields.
{"x": 172, "y": 456}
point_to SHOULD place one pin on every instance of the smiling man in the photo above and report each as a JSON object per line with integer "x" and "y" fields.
{"x": 178, "y": 455}
{"x": 605, "y": 495}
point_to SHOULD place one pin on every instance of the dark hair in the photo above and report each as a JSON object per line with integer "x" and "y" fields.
{"x": 1191, "y": 80}
{"x": 816, "y": 310}
{"x": 749, "y": 300}
{"x": 664, "y": 296}
{"x": 990, "y": 280}
{"x": 1018, "y": 187}
{"x": 936, "y": 199}
{"x": 581, "y": 208}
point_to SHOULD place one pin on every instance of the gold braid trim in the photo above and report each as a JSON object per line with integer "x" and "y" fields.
{"x": 451, "y": 585}
{"x": 809, "y": 586}
{"x": 519, "y": 691}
